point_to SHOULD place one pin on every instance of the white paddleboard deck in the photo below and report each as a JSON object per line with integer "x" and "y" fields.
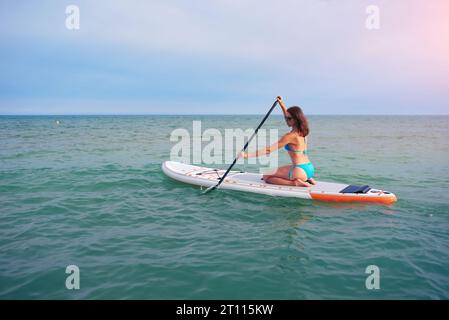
{"x": 252, "y": 182}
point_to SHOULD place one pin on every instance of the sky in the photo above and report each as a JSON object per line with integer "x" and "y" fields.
{"x": 224, "y": 57}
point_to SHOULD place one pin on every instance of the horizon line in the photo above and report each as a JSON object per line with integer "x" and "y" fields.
{"x": 212, "y": 114}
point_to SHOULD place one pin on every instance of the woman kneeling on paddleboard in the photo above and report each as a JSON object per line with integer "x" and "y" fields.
{"x": 295, "y": 142}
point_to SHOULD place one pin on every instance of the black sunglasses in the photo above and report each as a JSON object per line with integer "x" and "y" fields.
{"x": 288, "y": 118}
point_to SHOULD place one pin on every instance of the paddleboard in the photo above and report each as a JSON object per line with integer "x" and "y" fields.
{"x": 252, "y": 182}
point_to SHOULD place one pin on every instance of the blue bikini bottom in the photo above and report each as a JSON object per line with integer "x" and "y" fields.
{"x": 307, "y": 167}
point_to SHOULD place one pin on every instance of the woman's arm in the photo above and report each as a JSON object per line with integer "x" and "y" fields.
{"x": 281, "y": 103}
{"x": 280, "y": 144}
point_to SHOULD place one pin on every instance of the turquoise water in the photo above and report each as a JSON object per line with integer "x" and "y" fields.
{"x": 89, "y": 191}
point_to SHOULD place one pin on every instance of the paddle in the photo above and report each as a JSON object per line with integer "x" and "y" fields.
{"x": 244, "y": 148}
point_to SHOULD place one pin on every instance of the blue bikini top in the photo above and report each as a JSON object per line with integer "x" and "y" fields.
{"x": 289, "y": 149}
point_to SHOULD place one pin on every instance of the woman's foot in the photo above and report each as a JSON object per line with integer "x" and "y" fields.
{"x": 300, "y": 183}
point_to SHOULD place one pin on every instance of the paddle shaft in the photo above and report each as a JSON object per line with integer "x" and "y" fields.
{"x": 244, "y": 148}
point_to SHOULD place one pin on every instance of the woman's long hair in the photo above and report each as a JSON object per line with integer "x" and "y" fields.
{"x": 300, "y": 119}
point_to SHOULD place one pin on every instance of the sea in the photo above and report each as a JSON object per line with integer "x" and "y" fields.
{"x": 83, "y": 200}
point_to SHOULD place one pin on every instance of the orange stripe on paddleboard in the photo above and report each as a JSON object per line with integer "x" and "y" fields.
{"x": 353, "y": 198}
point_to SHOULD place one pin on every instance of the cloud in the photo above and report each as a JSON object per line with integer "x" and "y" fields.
{"x": 303, "y": 49}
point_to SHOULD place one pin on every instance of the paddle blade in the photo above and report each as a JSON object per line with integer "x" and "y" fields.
{"x": 211, "y": 188}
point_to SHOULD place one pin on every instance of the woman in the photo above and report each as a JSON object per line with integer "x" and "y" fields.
{"x": 301, "y": 172}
